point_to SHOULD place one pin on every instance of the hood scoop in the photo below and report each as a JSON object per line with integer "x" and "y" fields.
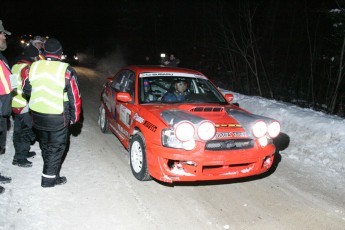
{"x": 207, "y": 109}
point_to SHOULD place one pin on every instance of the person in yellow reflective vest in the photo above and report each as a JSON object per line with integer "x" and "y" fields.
{"x": 5, "y": 98}
{"x": 54, "y": 103}
{"x": 23, "y": 134}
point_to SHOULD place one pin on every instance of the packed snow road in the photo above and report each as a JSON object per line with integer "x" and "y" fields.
{"x": 102, "y": 193}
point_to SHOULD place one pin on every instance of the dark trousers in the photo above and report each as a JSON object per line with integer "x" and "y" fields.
{"x": 53, "y": 145}
{"x": 3, "y": 131}
{"x": 23, "y": 135}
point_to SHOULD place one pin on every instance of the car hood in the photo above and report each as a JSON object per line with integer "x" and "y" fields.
{"x": 224, "y": 117}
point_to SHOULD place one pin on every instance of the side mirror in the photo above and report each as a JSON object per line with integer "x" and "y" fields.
{"x": 229, "y": 97}
{"x": 123, "y": 97}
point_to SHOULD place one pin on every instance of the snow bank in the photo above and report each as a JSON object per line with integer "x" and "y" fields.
{"x": 315, "y": 138}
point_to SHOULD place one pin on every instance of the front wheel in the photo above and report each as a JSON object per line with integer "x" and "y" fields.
{"x": 137, "y": 154}
{"x": 103, "y": 122}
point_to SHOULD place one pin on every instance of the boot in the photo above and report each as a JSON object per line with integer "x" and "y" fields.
{"x": 2, "y": 189}
{"x": 2, "y": 150}
{"x": 31, "y": 154}
{"x": 60, "y": 180}
{"x": 22, "y": 163}
{"x": 4, "y": 179}
{"x": 51, "y": 182}
{"x": 47, "y": 182}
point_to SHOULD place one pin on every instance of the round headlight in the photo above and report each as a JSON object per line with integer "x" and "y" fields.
{"x": 263, "y": 141}
{"x": 206, "y": 131}
{"x": 184, "y": 131}
{"x": 259, "y": 129}
{"x": 274, "y": 129}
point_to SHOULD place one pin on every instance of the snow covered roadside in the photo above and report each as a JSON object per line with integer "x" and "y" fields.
{"x": 102, "y": 193}
{"x": 316, "y": 139}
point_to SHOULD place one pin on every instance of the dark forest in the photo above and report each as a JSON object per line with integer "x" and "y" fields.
{"x": 291, "y": 51}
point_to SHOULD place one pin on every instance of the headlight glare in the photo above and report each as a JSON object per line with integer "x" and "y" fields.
{"x": 189, "y": 145}
{"x": 263, "y": 141}
{"x": 274, "y": 129}
{"x": 184, "y": 131}
{"x": 259, "y": 129}
{"x": 206, "y": 130}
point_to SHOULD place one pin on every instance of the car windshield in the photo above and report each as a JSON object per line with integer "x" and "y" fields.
{"x": 178, "y": 89}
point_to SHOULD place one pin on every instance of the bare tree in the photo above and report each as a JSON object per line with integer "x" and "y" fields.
{"x": 237, "y": 38}
{"x": 339, "y": 78}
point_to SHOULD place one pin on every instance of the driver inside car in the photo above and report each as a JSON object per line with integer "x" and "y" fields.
{"x": 179, "y": 92}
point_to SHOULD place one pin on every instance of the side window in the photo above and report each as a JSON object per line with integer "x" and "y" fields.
{"x": 129, "y": 84}
{"x": 118, "y": 81}
{"x": 199, "y": 86}
{"x": 124, "y": 82}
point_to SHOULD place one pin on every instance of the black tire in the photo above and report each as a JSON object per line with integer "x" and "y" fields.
{"x": 137, "y": 158}
{"x": 102, "y": 120}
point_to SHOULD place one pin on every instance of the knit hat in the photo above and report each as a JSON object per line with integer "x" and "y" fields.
{"x": 30, "y": 51}
{"x": 2, "y": 29}
{"x": 53, "y": 46}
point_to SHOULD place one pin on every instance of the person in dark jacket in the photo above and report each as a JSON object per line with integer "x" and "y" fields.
{"x": 54, "y": 103}
{"x": 179, "y": 92}
{"x": 5, "y": 97}
{"x": 23, "y": 134}
{"x": 172, "y": 61}
{"x": 38, "y": 42}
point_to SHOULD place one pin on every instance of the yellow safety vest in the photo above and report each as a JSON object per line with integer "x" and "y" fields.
{"x": 19, "y": 101}
{"x": 47, "y": 79}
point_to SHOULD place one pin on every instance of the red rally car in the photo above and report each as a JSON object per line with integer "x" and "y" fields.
{"x": 177, "y": 126}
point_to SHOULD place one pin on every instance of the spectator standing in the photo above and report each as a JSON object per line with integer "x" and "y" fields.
{"x": 53, "y": 108}
{"x": 172, "y": 61}
{"x": 23, "y": 134}
{"x": 39, "y": 42}
{"x": 5, "y": 97}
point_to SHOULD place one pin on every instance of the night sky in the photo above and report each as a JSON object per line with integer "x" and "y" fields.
{"x": 287, "y": 49}
{"x": 139, "y": 27}
{"x": 142, "y": 28}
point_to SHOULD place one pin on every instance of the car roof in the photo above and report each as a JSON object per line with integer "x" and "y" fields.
{"x": 161, "y": 68}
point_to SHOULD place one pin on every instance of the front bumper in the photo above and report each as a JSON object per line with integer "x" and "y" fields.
{"x": 170, "y": 165}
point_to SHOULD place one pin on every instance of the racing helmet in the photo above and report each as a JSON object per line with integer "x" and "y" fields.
{"x": 147, "y": 86}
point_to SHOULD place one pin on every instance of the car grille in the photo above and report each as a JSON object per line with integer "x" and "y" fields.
{"x": 235, "y": 144}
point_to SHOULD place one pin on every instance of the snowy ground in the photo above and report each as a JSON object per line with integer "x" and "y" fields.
{"x": 316, "y": 139}
{"x": 305, "y": 191}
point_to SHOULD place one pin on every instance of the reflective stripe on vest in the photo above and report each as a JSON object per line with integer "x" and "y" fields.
{"x": 5, "y": 86}
{"x": 47, "y": 79}
{"x": 19, "y": 101}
